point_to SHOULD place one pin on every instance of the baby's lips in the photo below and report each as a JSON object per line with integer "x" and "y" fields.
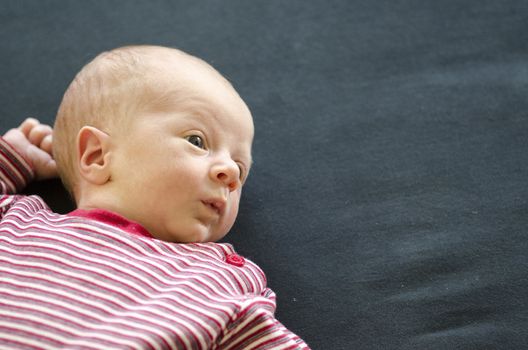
{"x": 218, "y": 204}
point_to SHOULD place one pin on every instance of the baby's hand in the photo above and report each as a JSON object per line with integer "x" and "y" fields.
{"x": 33, "y": 140}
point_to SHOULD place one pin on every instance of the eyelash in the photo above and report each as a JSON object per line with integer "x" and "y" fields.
{"x": 202, "y": 146}
{"x": 241, "y": 173}
{"x": 241, "y": 169}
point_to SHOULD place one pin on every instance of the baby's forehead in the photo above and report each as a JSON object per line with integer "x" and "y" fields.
{"x": 153, "y": 78}
{"x": 177, "y": 62}
{"x": 181, "y": 81}
{"x": 149, "y": 64}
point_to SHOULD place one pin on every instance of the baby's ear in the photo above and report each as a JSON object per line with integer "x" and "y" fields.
{"x": 92, "y": 151}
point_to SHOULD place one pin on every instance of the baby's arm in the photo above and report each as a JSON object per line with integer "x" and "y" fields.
{"x": 25, "y": 153}
{"x": 256, "y": 328}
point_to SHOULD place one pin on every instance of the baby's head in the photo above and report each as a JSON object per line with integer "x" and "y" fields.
{"x": 158, "y": 136}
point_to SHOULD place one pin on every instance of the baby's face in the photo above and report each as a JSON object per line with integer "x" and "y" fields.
{"x": 181, "y": 165}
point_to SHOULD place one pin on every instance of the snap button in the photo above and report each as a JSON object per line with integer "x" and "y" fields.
{"x": 235, "y": 259}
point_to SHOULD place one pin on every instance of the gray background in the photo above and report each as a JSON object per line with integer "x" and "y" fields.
{"x": 388, "y": 199}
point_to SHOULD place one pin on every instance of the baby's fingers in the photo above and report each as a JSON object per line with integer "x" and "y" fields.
{"x": 28, "y": 125}
{"x": 47, "y": 143}
{"x": 43, "y": 164}
{"x": 39, "y": 135}
{"x": 47, "y": 170}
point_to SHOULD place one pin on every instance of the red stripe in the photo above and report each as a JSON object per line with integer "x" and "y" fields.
{"x": 128, "y": 266}
{"x": 66, "y": 334}
{"x": 88, "y": 307}
{"x": 13, "y": 330}
{"x": 183, "y": 321}
{"x": 33, "y": 335}
{"x": 15, "y": 157}
{"x": 77, "y": 247}
{"x": 49, "y": 298}
{"x": 160, "y": 281}
{"x": 23, "y": 175}
{"x": 17, "y": 344}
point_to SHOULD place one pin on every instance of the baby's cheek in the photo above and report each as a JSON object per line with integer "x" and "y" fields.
{"x": 235, "y": 201}
{"x": 229, "y": 218}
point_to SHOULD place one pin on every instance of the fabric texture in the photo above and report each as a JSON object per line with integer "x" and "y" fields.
{"x": 96, "y": 281}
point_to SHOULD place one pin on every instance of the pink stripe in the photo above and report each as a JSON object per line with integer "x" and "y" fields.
{"x": 94, "y": 321}
{"x": 14, "y": 156}
{"x": 89, "y": 307}
{"x": 187, "y": 286}
{"x": 13, "y": 170}
{"x": 260, "y": 317}
{"x": 50, "y": 231}
{"x": 119, "y": 261}
{"x": 192, "y": 260}
{"x": 5, "y": 198}
{"x": 35, "y": 324}
{"x": 18, "y": 345}
{"x": 49, "y": 270}
{"x": 79, "y": 247}
{"x": 260, "y": 332}
{"x": 279, "y": 339}
{"x": 124, "y": 298}
{"x": 183, "y": 320}
{"x": 221, "y": 269}
{"x": 183, "y": 306}
{"x": 14, "y": 330}
{"x": 52, "y": 329}
{"x": 7, "y": 181}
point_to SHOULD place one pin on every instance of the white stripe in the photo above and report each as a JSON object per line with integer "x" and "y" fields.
{"x": 266, "y": 338}
{"x": 251, "y": 272}
{"x": 117, "y": 267}
{"x": 149, "y": 300}
{"x": 118, "y": 317}
{"x": 5, "y": 178}
{"x": 62, "y": 327}
{"x": 217, "y": 269}
{"x": 57, "y": 338}
{"x": 65, "y": 316}
{"x": 103, "y": 296}
{"x": 24, "y": 340}
{"x": 182, "y": 281}
{"x": 13, "y": 153}
{"x": 257, "y": 312}
{"x": 209, "y": 274}
{"x": 286, "y": 345}
{"x": 6, "y": 200}
{"x": 234, "y": 332}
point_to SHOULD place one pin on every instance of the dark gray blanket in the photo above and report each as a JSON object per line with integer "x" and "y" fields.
{"x": 388, "y": 202}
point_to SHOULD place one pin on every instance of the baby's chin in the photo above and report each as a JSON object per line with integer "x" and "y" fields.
{"x": 195, "y": 234}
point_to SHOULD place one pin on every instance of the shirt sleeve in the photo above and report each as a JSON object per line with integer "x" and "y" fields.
{"x": 256, "y": 327}
{"x": 15, "y": 171}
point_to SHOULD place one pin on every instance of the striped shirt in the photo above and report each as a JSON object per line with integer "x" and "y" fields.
{"x": 94, "y": 280}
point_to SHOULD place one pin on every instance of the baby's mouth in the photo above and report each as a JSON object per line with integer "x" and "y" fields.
{"x": 216, "y": 204}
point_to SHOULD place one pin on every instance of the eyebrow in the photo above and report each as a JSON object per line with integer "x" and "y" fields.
{"x": 201, "y": 118}
{"x": 186, "y": 103}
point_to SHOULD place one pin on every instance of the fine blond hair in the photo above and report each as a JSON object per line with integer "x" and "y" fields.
{"x": 104, "y": 94}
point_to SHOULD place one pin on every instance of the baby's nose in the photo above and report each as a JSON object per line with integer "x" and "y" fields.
{"x": 227, "y": 173}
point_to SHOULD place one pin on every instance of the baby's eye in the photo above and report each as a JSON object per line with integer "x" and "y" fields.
{"x": 241, "y": 173}
{"x": 196, "y": 141}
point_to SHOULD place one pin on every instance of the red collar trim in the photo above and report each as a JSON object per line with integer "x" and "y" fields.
{"x": 111, "y": 218}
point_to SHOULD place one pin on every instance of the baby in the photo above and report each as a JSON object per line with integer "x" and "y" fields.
{"x": 154, "y": 146}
